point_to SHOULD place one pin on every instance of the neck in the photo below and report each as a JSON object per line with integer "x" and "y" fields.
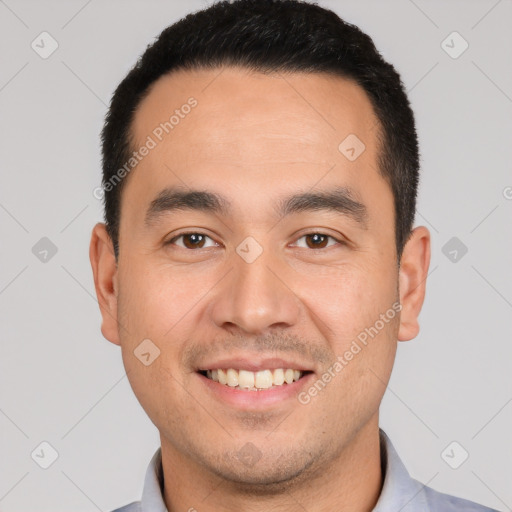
{"x": 352, "y": 481}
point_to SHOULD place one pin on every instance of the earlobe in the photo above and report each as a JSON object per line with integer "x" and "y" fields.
{"x": 412, "y": 281}
{"x": 104, "y": 268}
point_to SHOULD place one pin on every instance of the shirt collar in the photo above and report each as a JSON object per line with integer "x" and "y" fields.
{"x": 399, "y": 490}
{"x": 152, "y": 494}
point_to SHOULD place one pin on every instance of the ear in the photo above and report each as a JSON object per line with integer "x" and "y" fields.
{"x": 104, "y": 268}
{"x": 412, "y": 281}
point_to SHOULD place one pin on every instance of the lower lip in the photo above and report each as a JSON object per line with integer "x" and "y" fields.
{"x": 255, "y": 399}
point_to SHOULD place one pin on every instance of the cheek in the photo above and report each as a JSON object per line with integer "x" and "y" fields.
{"x": 157, "y": 305}
{"x": 346, "y": 299}
{"x": 362, "y": 334}
{"x": 355, "y": 307}
{"x": 156, "y": 302}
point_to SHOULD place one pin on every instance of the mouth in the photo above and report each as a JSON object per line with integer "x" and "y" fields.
{"x": 253, "y": 382}
{"x": 261, "y": 380}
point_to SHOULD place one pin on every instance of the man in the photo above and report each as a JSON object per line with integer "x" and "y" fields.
{"x": 258, "y": 262}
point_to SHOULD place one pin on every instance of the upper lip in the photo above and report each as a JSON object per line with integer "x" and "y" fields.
{"x": 255, "y": 364}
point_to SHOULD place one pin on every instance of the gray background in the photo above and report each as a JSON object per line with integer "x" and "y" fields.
{"x": 61, "y": 382}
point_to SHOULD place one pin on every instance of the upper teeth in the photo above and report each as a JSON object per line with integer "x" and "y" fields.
{"x": 244, "y": 379}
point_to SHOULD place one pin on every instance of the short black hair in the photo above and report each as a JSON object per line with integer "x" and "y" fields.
{"x": 270, "y": 36}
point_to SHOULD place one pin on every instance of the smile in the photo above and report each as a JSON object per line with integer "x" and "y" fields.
{"x": 253, "y": 381}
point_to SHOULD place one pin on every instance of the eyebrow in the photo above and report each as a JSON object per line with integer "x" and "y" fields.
{"x": 340, "y": 200}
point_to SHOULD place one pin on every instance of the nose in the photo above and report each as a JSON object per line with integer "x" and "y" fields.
{"x": 255, "y": 296}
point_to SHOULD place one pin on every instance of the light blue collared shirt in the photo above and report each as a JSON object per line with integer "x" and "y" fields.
{"x": 400, "y": 492}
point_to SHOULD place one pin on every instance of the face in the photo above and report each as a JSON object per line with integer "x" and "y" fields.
{"x": 252, "y": 243}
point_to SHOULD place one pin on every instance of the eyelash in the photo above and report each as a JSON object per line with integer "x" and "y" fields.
{"x": 172, "y": 240}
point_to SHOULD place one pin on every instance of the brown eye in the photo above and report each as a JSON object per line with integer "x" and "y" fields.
{"x": 190, "y": 240}
{"x": 318, "y": 241}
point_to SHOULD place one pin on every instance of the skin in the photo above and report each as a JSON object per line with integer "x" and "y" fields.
{"x": 255, "y": 138}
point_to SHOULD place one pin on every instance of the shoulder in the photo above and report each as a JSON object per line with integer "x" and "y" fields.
{"x": 131, "y": 507}
{"x": 448, "y": 503}
{"x": 402, "y": 492}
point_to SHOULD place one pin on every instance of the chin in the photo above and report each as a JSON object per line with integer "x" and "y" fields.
{"x": 269, "y": 474}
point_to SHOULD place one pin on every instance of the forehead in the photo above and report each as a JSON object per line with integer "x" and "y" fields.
{"x": 253, "y": 133}
{"x": 234, "y": 105}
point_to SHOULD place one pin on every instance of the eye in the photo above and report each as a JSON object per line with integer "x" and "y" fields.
{"x": 318, "y": 240}
{"x": 192, "y": 240}
{"x": 196, "y": 240}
